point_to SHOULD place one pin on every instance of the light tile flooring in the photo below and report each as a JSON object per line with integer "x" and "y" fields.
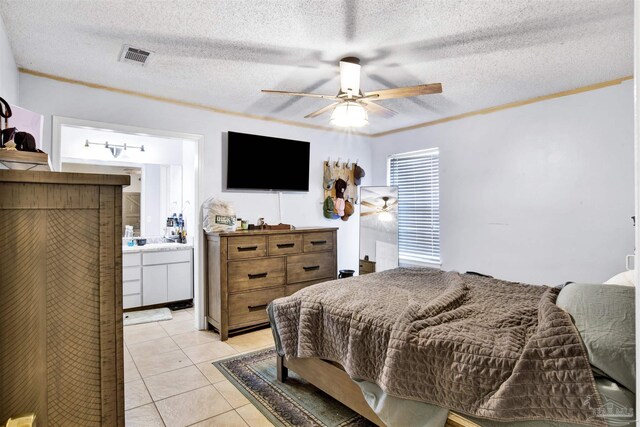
{"x": 170, "y": 379}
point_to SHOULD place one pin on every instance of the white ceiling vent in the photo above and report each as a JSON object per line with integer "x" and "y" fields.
{"x": 134, "y": 55}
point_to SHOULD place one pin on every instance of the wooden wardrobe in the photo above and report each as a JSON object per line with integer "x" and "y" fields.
{"x": 61, "y": 298}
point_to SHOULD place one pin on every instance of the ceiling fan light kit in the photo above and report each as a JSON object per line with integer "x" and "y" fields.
{"x": 385, "y": 216}
{"x": 349, "y": 114}
{"x": 351, "y": 105}
{"x": 350, "y": 75}
{"x": 383, "y": 212}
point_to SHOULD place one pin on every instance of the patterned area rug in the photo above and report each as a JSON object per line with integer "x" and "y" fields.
{"x": 294, "y": 403}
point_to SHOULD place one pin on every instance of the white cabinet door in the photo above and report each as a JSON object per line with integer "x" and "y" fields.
{"x": 154, "y": 284}
{"x": 180, "y": 282}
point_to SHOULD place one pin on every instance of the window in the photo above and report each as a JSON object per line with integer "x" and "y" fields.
{"x": 416, "y": 175}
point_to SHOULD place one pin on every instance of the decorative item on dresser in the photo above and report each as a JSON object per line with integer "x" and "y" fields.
{"x": 246, "y": 270}
{"x": 61, "y": 298}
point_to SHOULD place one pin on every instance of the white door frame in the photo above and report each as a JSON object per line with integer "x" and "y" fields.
{"x": 636, "y": 104}
{"x": 199, "y": 296}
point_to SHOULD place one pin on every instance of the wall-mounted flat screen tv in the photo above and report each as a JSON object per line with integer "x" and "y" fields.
{"x": 256, "y": 162}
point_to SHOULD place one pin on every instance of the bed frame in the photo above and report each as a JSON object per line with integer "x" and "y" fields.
{"x": 337, "y": 384}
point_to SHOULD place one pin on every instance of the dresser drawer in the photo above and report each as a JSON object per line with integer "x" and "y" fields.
{"x": 246, "y": 247}
{"x": 250, "y": 308}
{"x": 281, "y": 244}
{"x": 255, "y": 274}
{"x": 293, "y": 288}
{"x": 314, "y": 242}
{"x": 302, "y": 268}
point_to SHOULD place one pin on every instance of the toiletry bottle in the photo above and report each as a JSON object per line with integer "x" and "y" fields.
{"x": 174, "y": 231}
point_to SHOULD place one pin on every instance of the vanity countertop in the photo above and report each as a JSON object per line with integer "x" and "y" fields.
{"x": 156, "y": 247}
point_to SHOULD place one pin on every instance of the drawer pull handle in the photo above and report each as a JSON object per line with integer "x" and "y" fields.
{"x": 318, "y": 242}
{"x": 312, "y": 268}
{"x": 257, "y": 275}
{"x": 247, "y": 248}
{"x": 257, "y": 307}
{"x": 285, "y": 245}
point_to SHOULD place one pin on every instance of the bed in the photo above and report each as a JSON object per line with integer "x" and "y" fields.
{"x": 467, "y": 350}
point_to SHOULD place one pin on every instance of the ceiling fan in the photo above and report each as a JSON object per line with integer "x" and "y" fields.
{"x": 388, "y": 206}
{"x": 351, "y": 104}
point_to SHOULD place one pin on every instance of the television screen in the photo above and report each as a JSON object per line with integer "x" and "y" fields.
{"x": 256, "y": 162}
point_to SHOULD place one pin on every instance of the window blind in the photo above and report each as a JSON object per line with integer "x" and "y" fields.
{"x": 416, "y": 175}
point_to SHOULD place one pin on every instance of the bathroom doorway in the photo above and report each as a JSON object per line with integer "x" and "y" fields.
{"x": 164, "y": 169}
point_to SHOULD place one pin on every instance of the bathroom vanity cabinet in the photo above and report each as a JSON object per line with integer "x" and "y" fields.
{"x": 157, "y": 274}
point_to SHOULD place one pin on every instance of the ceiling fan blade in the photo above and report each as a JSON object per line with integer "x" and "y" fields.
{"x": 392, "y": 203}
{"x": 309, "y": 95}
{"x": 368, "y": 213}
{"x": 369, "y": 205}
{"x": 374, "y": 108}
{"x": 322, "y": 110}
{"x": 404, "y": 92}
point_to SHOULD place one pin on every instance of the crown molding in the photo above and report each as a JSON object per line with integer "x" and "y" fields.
{"x": 187, "y": 103}
{"x": 212, "y": 109}
{"x": 507, "y": 106}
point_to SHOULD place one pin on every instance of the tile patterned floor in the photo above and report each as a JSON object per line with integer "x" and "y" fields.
{"x": 170, "y": 380}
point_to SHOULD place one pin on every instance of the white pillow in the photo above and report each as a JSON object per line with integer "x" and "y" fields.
{"x": 626, "y": 278}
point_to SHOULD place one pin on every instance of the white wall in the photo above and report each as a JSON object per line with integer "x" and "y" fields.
{"x": 541, "y": 193}
{"x": 50, "y": 97}
{"x": 8, "y": 70}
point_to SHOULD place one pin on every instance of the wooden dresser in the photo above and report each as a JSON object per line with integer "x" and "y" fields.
{"x": 61, "y": 298}
{"x": 246, "y": 270}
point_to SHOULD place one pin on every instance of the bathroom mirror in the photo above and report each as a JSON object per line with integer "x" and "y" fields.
{"x": 378, "y": 229}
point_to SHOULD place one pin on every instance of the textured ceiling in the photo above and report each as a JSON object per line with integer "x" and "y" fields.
{"x": 221, "y": 53}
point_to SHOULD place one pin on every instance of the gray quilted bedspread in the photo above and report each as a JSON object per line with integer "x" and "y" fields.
{"x": 476, "y": 345}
